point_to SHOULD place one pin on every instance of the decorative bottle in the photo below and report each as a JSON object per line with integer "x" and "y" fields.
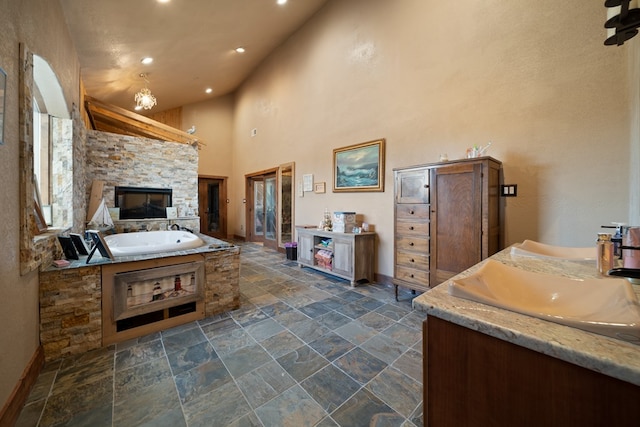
{"x": 605, "y": 259}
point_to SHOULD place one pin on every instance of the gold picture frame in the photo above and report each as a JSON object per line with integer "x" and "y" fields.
{"x": 359, "y": 167}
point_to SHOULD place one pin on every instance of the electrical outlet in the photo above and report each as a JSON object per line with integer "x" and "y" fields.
{"x": 509, "y": 190}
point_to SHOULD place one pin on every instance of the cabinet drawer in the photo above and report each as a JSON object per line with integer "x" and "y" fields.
{"x": 412, "y": 211}
{"x": 412, "y": 228}
{"x": 411, "y": 243}
{"x": 412, "y": 276}
{"x": 412, "y": 260}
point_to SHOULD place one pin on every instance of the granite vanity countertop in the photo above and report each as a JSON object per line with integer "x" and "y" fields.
{"x": 610, "y": 356}
{"x": 211, "y": 245}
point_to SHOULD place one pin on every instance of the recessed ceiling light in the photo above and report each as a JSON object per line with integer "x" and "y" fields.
{"x": 282, "y": 1}
{"x": 164, "y": 1}
{"x": 240, "y": 50}
{"x": 208, "y": 90}
{"x": 147, "y": 60}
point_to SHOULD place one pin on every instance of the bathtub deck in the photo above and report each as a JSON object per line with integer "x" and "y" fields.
{"x": 71, "y": 298}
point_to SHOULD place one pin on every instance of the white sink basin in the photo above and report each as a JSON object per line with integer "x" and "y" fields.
{"x": 541, "y": 250}
{"x": 604, "y": 306}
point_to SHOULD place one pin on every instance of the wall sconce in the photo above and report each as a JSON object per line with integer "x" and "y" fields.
{"x": 624, "y": 25}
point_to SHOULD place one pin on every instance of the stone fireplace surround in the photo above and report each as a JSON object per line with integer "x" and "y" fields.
{"x": 121, "y": 160}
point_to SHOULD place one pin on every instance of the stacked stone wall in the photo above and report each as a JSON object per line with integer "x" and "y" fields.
{"x": 70, "y": 311}
{"x": 222, "y": 291}
{"x": 71, "y": 302}
{"x": 121, "y": 160}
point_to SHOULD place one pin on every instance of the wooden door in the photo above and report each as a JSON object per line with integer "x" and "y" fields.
{"x": 412, "y": 186}
{"x": 262, "y": 212}
{"x": 305, "y": 248}
{"x": 212, "y": 202}
{"x": 343, "y": 256}
{"x": 456, "y": 219}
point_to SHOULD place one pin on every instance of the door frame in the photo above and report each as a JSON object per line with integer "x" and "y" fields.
{"x": 249, "y": 179}
{"x": 224, "y": 201}
{"x": 291, "y": 166}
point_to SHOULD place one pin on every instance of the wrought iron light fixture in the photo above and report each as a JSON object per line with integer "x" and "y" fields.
{"x": 144, "y": 98}
{"x": 624, "y": 25}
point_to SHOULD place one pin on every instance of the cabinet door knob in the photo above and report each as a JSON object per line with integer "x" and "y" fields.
{"x": 411, "y": 212}
{"x": 411, "y": 276}
{"x": 411, "y": 244}
{"x": 411, "y": 228}
{"x": 413, "y": 260}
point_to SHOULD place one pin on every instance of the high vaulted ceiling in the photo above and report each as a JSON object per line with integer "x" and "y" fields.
{"x": 192, "y": 43}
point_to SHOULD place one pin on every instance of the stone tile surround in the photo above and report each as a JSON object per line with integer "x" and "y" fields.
{"x": 70, "y": 311}
{"x": 155, "y": 224}
{"x": 71, "y": 298}
{"x": 121, "y": 160}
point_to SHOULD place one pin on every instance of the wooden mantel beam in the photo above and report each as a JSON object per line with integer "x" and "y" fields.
{"x": 110, "y": 118}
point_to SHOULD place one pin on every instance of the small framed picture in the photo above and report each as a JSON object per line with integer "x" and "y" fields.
{"x": 100, "y": 245}
{"x": 319, "y": 187}
{"x": 68, "y": 247}
{"x": 307, "y": 182}
{"x": 79, "y": 243}
{"x": 172, "y": 213}
{"x": 115, "y": 214}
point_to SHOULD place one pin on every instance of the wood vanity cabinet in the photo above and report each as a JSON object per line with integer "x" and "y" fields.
{"x": 473, "y": 379}
{"x": 446, "y": 219}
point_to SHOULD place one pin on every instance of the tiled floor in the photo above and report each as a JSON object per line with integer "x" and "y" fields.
{"x": 304, "y": 349}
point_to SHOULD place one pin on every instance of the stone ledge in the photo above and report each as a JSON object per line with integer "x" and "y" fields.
{"x": 71, "y": 301}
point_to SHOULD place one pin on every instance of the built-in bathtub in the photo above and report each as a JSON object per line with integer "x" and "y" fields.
{"x": 147, "y": 242}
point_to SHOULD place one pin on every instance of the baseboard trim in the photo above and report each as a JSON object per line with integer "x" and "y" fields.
{"x": 13, "y": 406}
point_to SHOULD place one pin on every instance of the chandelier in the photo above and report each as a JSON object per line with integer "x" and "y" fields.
{"x": 144, "y": 98}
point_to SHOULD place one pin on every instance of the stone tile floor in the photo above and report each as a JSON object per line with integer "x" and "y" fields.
{"x": 304, "y": 349}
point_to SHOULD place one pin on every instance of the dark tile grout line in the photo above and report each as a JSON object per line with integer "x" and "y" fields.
{"x": 361, "y": 386}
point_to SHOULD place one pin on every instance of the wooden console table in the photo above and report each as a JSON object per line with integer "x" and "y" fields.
{"x": 351, "y": 256}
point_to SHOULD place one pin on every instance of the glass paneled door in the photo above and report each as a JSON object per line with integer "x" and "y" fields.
{"x": 212, "y": 200}
{"x": 263, "y": 213}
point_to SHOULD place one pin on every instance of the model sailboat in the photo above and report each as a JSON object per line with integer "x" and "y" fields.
{"x": 101, "y": 220}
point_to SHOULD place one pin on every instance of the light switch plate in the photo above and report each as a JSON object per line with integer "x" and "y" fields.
{"x": 509, "y": 190}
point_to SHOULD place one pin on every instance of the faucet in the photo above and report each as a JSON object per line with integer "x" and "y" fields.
{"x": 628, "y": 264}
{"x": 173, "y": 226}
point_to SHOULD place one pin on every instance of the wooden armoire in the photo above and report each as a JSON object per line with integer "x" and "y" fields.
{"x": 447, "y": 218}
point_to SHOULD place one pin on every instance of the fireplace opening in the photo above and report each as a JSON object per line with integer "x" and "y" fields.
{"x": 143, "y": 202}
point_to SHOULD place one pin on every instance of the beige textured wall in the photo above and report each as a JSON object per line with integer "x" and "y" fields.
{"x": 434, "y": 77}
{"x": 429, "y": 76}
{"x": 40, "y": 25}
{"x": 213, "y": 120}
